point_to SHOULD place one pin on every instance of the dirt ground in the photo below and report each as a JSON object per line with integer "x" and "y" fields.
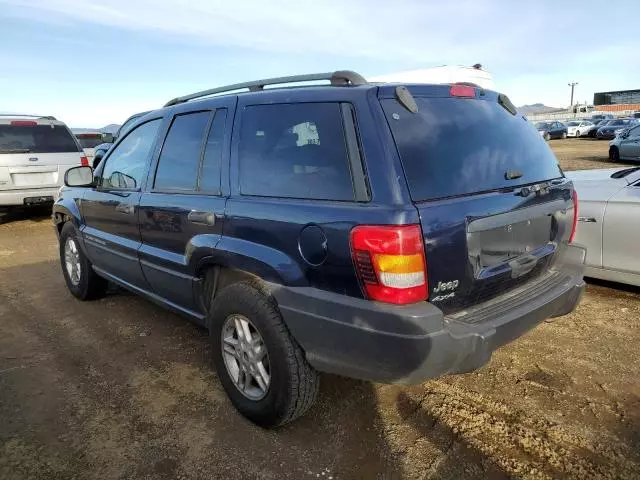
{"x": 119, "y": 388}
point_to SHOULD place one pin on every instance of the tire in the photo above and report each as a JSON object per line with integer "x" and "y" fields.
{"x": 4, "y": 216}
{"x": 564, "y": 135}
{"x": 293, "y": 383}
{"x": 547, "y": 136}
{"x": 614, "y": 155}
{"x": 87, "y": 285}
{"x": 96, "y": 161}
{"x": 577, "y": 133}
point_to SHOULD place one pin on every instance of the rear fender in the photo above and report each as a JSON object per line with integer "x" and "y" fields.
{"x": 268, "y": 264}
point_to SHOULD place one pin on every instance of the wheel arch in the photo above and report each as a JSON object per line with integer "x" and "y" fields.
{"x": 66, "y": 211}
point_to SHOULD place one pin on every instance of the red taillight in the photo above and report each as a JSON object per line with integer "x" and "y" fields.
{"x": 575, "y": 217}
{"x": 462, "y": 91}
{"x": 24, "y": 123}
{"x": 84, "y": 161}
{"x": 390, "y": 262}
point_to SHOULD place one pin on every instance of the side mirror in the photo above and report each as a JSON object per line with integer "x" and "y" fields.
{"x": 108, "y": 137}
{"x": 79, "y": 177}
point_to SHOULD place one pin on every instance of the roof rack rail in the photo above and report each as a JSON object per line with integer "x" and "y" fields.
{"x": 341, "y": 77}
{"x": 43, "y": 117}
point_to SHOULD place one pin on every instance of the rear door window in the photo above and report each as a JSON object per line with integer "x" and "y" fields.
{"x": 460, "y": 146}
{"x": 180, "y": 157}
{"x": 36, "y": 139}
{"x": 294, "y": 151}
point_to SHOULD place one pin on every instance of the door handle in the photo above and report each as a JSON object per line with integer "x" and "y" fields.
{"x": 125, "y": 208}
{"x": 202, "y": 218}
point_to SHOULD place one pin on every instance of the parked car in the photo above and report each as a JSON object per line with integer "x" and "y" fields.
{"x": 101, "y": 149}
{"x": 636, "y": 115}
{"x": 89, "y": 141}
{"x": 579, "y": 128}
{"x": 317, "y": 229}
{"x": 550, "y": 130}
{"x": 607, "y": 226}
{"x": 614, "y": 127}
{"x": 626, "y": 145}
{"x": 597, "y": 124}
{"x": 35, "y": 153}
{"x": 601, "y": 116}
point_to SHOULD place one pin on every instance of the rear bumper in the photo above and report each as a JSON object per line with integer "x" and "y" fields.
{"x": 409, "y": 344}
{"x": 17, "y": 197}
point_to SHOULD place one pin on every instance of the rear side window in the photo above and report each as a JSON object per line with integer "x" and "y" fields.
{"x": 36, "y": 139}
{"x": 294, "y": 151}
{"x": 180, "y": 158}
{"x": 459, "y": 146}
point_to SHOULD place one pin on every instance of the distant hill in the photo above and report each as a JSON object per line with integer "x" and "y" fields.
{"x": 111, "y": 128}
{"x": 537, "y": 108}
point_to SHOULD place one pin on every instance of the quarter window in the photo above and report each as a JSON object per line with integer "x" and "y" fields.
{"x": 126, "y": 166}
{"x": 212, "y": 161}
{"x": 294, "y": 151}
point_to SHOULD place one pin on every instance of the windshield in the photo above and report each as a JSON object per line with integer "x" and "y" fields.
{"x": 613, "y": 123}
{"x": 36, "y": 139}
{"x": 542, "y": 126}
{"x": 89, "y": 141}
{"x": 573, "y": 124}
{"x": 460, "y": 146}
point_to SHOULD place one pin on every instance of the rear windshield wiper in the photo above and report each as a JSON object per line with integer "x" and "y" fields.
{"x": 624, "y": 173}
{"x": 15, "y": 150}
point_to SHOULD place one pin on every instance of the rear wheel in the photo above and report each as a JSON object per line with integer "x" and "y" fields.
{"x": 577, "y": 133}
{"x": 260, "y": 365}
{"x": 564, "y": 135}
{"x": 81, "y": 280}
{"x": 4, "y": 215}
{"x": 614, "y": 155}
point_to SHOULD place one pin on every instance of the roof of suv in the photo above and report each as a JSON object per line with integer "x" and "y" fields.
{"x": 8, "y": 119}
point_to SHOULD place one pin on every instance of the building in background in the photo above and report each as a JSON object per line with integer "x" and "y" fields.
{"x": 617, "y": 101}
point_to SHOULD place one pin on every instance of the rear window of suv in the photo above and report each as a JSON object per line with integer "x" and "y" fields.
{"x": 36, "y": 139}
{"x": 459, "y": 146}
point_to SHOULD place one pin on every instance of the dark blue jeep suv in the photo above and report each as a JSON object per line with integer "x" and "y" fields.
{"x": 393, "y": 233}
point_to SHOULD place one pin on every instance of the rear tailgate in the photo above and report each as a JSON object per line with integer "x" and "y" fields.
{"x": 36, "y": 155}
{"x": 494, "y": 205}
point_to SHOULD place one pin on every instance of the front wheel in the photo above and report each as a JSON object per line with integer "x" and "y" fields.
{"x": 81, "y": 280}
{"x": 614, "y": 155}
{"x": 578, "y": 134}
{"x": 260, "y": 365}
{"x": 547, "y": 136}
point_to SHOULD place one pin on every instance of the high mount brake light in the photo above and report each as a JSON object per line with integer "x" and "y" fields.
{"x": 462, "y": 91}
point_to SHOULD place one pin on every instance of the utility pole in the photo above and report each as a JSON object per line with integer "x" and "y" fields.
{"x": 572, "y": 85}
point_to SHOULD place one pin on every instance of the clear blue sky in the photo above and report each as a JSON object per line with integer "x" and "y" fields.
{"x": 92, "y": 62}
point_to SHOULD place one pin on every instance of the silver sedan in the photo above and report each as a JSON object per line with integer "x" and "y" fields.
{"x": 609, "y": 222}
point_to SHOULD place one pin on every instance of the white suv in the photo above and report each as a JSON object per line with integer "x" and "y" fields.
{"x": 35, "y": 153}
